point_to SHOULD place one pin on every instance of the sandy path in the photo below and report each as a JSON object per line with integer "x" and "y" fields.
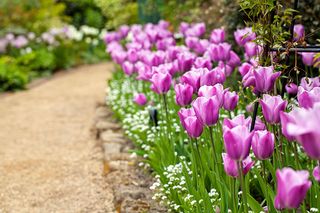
{"x": 48, "y": 159}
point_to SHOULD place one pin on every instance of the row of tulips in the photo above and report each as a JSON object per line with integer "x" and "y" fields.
{"x": 213, "y": 149}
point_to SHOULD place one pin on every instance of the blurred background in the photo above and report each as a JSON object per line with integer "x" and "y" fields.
{"x": 38, "y": 37}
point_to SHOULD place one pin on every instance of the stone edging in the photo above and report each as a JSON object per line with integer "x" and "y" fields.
{"x": 129, "y": 183}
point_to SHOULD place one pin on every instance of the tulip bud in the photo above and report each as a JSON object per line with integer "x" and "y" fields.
{"x": 262, "y": 144}
{"x": 316, "y": 173}
{"x": 230, "y": 100}
{"x": 308, "y": 58}
{"x": 292, "y": 89}
{"x": 237, "y": 142}
{"x": 242, "y": 36}
{"x": 298, "y": 32}
{"x": 184, "y": 94}
{"x": 140, "y": 99}
{"x": 231, "y": 167}
{"x": 128, "y": 68}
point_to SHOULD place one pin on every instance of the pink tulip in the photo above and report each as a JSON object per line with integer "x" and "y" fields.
{"x": 202, "y": 62}
{"x": 286, "y": 118}
{"x": 185, "y": 61}
{"x": 212, "y": 77}
{"x": 305, "y": 129}
{"x": 210, "y": 91}
{"x": 252, "y": 49}
{"x": 219, "y": 52}
{"x": 310, "y": 83}
{"x": 207, "y": 110}
{"x": 271, "y": 108}
{"x": 308, "y": 58}
{"x": 316, "y": 173}
{"x": 231, "y": 167}
{"x": 161, "y": 82}
{"x": 230, "y": 100}
{"x": 192, "y": 78}
{"x": 184, "y": 94}
{"x": 242, "y": 36}
{"x": 262, "y": 144}
{"x": 128, "y": 68}
{"x": 307, "y": 99}
{"x": 240, "y": 120}
{"x": 194, "y": 126}
{"x": 132, "y": 55}
{"x": 217, "y": 36}
{"x": 298, "y": 32}
{"x": 140, "y": 99}
{"x": 292, "y": 187}
{"x": 237, "y": 142}
{"x": 292, "y": 88}
{"x": 234, "y": 60}
{"x": 244, "y": 68}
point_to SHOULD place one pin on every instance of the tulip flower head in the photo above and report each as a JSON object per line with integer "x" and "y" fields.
{"x": 140, "y": 99}
{"x": 207, "y": 110}
{"x": 237, "y": 142}
{"x": 161, "y": 82}
{"x": 292, "y": 187}
{"x": 262, "y": 144}
{"x": 184, "y": 94}
{"x": 231, "y": 167}
{"x": 305, "y": 129}
{"x": 271, "y": 108}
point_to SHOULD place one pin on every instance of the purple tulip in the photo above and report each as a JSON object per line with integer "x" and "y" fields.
{"x": 132, "y": 55}
{"x": 262, "y": 78}
{"x": 271, "y": 108}
{"x": 262, "y": 144}
{"x": 119, "y": 56}
{"x": 244, "y": 68}
{"x": 309, "y": 83}
{"x": 286, "y": 118}
{"x": 298, "y": 32}
{"x": 185, "y": 61}
{"x": 207, "y": 110}
{"x": 190, "y": 122}
{"x": 140, "y": 99}
{"x": 292, "y": 88}
{"x": 202, "y": 62}
{"x": 191, "y": 42}
{"x": 237, "y": 142}
{"x": 201, "y": 46}
{"x": 128, "y": 68}
{"x": 144, "y": 72}
{"x": 242, "y": 36}
{"x": 183, "y": 27}
{"x": 212, "y": 77}
{"x": 217, "y": 36}
{"x": 184, "y": 94}
{"x": 124, "y": 30}
{"x": 240, "y": 120}
{"x": 292, "y": 187}
{"x": 219, "y": 52}
{"x": 252, "y": 49}
{"x": 196, "y": 30}
{"x": 192, "y": 78}
{"x": 161, "y": 82}
{"x": 230, "y": 100}
{"x": 210, "y": 91}
{"x": 231, "y": 168}
{"x": 307, "y": 99}
{"x": 234, "y": 59}
{"x": 305, "y": 130}
{"x": 316, "y": 173}
{"x": 308, "y": 58}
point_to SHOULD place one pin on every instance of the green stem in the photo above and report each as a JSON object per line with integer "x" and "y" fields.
{"x": 243, "y": 186}
{"x": 234, "y": 194}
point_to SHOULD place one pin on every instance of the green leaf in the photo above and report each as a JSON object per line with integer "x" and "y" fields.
{"x": 254, "y": 205}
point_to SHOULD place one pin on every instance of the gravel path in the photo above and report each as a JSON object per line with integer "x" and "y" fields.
{"x": 49, "y": 162}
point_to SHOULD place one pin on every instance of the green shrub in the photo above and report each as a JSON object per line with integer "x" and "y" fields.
{"x": 118, "y": 12}
{"x": 40, "y": 60}
{"x": 12, "y": 76}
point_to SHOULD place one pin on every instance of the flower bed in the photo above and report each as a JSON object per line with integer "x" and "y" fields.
{"x": 24, "y": 56}
{"x": 209, "y": 121}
